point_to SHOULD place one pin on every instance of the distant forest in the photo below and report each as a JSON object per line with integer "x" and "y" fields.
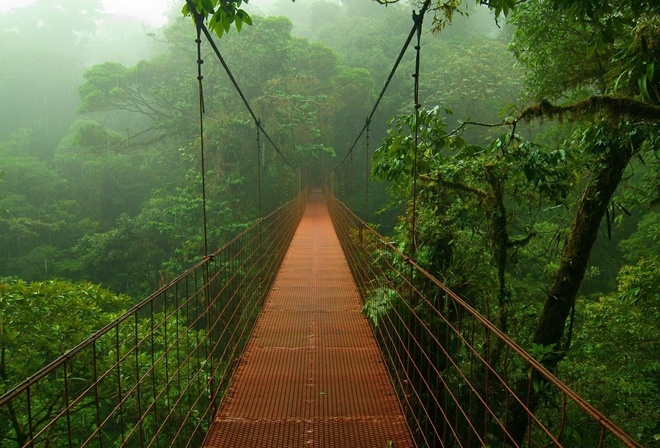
{"x": 538, "y": 168}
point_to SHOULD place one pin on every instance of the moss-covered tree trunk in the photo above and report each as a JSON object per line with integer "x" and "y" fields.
{"x": 575, "y": 258}
{"x": 572, "y": 267}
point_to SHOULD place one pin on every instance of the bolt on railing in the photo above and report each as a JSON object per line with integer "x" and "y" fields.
{"x": 460, "y": 380}
{"x": 155, "y": 376}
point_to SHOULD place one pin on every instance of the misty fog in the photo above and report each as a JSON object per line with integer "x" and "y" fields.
{"x": 100, "y": 153}
{"x": 97, "y": 120}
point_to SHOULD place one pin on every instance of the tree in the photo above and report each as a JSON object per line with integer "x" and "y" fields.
{"x": 618, "y": 73}
{"x": 49, "y": 37}
{"x": 615, "y": 350}
{"x": 471, "y": 197}
{"x": 145, "y": 89}
{"x": 42, "y": 321}
{"x": 611, "y": 101}
{"x": 39, "y": 322}
{"x": 37, "y": 216}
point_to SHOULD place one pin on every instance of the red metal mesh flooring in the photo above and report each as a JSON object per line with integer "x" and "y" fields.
{"x": 312, "y": 375}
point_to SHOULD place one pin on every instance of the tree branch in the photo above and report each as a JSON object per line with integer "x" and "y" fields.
{"x": 522, "y": 241}
{"x": 615, "y": 107}
{"x": 456, "y": 186}
{"x": 476, "y": 123}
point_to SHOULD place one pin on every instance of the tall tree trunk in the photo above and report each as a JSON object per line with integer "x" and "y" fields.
{"x": 500, "y": 242}
{"x": 572, "y": 267}
{"x": 575, "y": 257}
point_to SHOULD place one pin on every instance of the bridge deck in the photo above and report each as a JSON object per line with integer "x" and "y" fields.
{"x": 312, "y": 375}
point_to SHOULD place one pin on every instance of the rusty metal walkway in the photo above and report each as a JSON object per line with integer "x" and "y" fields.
{"x": 312, "y": 374}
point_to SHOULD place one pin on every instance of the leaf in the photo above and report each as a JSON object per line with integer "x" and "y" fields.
{"x": 245, "y": 17}
{"x": 644, "y": 88}
{"x": 618, "y": 80}
{"x": 591, "y": 49}
{"x": 208, "y": 6}
{"x": 217, "y": 18}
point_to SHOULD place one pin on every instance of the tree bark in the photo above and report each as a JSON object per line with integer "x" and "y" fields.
{"x": 500, "y": 241}
{"x": 575, "y": 257}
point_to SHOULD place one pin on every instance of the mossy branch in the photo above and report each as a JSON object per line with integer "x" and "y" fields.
{"x": 455, "y": 186}
{"x": 613, "y": 107}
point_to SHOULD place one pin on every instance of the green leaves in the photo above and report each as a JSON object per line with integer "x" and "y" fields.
{"x": 103, "y": 87}
{"x": 39, "y": 321}
{"x": 648, "y": 86}
{"x": 393, "y": 160}
{"x": 207, "y": 5}
{"x": 545, "y": 169}
{"x": 379, "y": 303}
{"x": 542, "y": 352}
{"x": 242, "y": 17}
{"x": 613, "y": 361}
{"x": 502, "y": 7}
{"x": 220, "y": 14}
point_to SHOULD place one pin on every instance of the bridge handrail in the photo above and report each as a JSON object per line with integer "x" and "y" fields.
{"x": 363, "y": 268}
{"x": 130, "y": 312}
{"x": 233, "y": 279}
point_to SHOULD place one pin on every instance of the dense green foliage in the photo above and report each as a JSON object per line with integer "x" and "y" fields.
{"x": 118, "y": 199}
{"x": 42, "y": 321}
{"x": 67, "y": 312}
{"x": 510, "y": 222}
{"x": 537, "y": 160}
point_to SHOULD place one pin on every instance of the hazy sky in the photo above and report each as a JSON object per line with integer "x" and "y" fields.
{"x": 152, "y": 12}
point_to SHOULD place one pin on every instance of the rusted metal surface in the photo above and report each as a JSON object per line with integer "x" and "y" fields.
{"x": 312, "y": 375}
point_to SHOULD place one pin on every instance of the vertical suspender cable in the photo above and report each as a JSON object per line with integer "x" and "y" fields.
{"x": 260, "y": 250}
{"x": 287, "y": 185}
{"x": 258, "y": 123}
{"x": 350, "y": 175}
{"x": 343, "y": 182}
{"x": 418, "y": 19}
{"x": 279, "y": 182}
{"x": 366, "y": 173}
{"x": 199, "y": 23}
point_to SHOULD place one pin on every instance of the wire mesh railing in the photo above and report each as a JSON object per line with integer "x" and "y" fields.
{"x": 461, "y": 381}
{"x": 155, "y": 376}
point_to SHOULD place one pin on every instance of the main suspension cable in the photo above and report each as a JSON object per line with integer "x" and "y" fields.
{"x": 238, "y": 89}
{"x": 409, "y": 39}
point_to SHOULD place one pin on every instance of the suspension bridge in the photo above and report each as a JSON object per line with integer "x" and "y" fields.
{"x": 262, "y": 343}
